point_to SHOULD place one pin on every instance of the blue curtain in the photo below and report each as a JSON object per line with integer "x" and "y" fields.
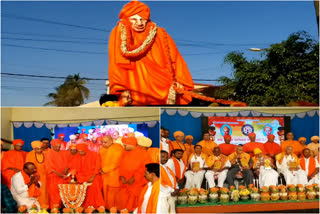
{"x": 31, "y": 134}
{"x": 154, "y": 135}
{"x": 67, "y": 131}
{"x": 301, "y": 127}
{"x": 305, "y": 127}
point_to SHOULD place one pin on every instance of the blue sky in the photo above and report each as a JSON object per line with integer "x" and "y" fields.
{"x": 204, "y": 32}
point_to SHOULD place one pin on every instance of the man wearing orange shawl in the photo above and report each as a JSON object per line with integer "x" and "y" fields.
{"x": 311, "y": 166}
{"x": 89, "y": 172}
{"x": 207, "y": 144}
{"x": 178, "y": 144}
{"x": 290, "y": 142}
{"x": 148, "y": 200}
{"x": 110, "y": 154}
{"x": 271, "y": 148}
{"x": 196, "y": 168}
{"x": 37, "y": 157}
{"x": 168, "y": 185}
{"x": 289, "y": 165}
{"x": 56, "y": 162}
{"x": 219, "y": 165}
{"x": 12, "y": 162}
{"x": 314, "y": 146}
{"x": 240, "y": 164}
{"x": 189, "y": 146}
{"x": 249, "y": 147}
{"x": 227, "y": 148}
{"x": 177, "y": 165}
{"x": 25, "y": 186}
{"x": 144, "y": 62}
{"x": 131, "y": 171}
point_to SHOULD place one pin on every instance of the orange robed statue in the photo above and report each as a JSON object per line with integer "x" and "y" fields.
{"x": 145, "y": 66}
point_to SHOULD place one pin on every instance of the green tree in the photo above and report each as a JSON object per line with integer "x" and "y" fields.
{"x": 289, "y": 72}
{"x": 72, "y": 92}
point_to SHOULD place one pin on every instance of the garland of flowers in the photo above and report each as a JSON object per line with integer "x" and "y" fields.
{"x": 133, "y": 51}
{"x": 69, "y": 200}
{"x": 37, "y": 158}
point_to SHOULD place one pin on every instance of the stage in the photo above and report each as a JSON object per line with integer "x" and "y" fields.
{"x": 249, "y": 206}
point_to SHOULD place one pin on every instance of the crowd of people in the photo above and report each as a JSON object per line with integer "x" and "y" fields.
{"x": 121, "y": 173}
{"x": 188, "y": 165}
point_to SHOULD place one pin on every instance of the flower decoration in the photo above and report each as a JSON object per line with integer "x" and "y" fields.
{"x": 89, "y": 209}
{"x": 241, "y": 187}
{"x": 265, "y": 189}
{"x": 274, "y": 189}
{"x": 255, "y": 190}
{"x": 23, "y": 209}
{"x": 193, "y": 192}
{"x": 224, "y": 190}
{"x": 244, "y": 192}
{"x": 214, "y": 190}
{"x": 79, "y": 210}
{"x": 101, "y": 209}
{"x": 292, "y": 188}
{"x": 300, "y": 187}
{"x": 203, "y": 192}
{"x": 232, "y": 188}
{"x": 310, "y": 188}
{"x": 183, "y": 192}
{"x": 124, "y": 211}
{"x": 67, "y": 210}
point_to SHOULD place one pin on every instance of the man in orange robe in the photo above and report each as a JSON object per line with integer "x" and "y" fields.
{"x": 178, "y": 144}
{"x": 291, "y": 142}
{"x": 89, "y": 172}
{"x": 148, "y": 200}
{"x": 132, "y": 167}
{"x": 56, "y": 163}
{"x": 314, "y": 146}
{"x": 249, "y": 147}
{"x": 207, "y": 144}
{"x": 144, "y": 62}
{"x": 110, "y": 154}
{"x": 12, "y": 162}
{"x": 271, "y": 148}
{"x": 227, "y": 148}
{"x": 189, "y": 146}
{"x": 37, "y": 157}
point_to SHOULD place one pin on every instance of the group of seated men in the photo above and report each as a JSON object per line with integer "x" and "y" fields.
{"x": 121, "y": 174}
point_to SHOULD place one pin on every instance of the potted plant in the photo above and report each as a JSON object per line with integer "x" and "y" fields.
{"x": 224, "y": 196}
{"x": 203, "y": 196}
{"x": 283, "y": 192}
{"x": 311, "y": 194}
{"x": 301, "y": 196}
{"x": 89, "y": 209}
{"x": 300, "y": 188}
{"x": 235, "y": 195}
{"x": 101, "y": 209}
{"x": 316, "y": 187}
{"x": 67, "y": 210}
{"x": 33, "y": 209}
{"x": 213, "y": 195}
{"x": 23, "y": 209}
{"x": 265, "y": 189}
{"x": 124, "y": 211}
{"x": 193, "y": 196}
{"x": 255, "y": 195}
{"x": 79, "y": 210}
{"x": 183, "y": 196}
{"x": 265, "y": 196}
{"x": 113, "y": 210}
{"x": 244, "y": 194}
{"x": 274, "y": 193}
{"x": 250, "y": 186}
{"x": 292, "y": 188}
{"x": 293, "y": 196}
{"x": 55, "y": 209}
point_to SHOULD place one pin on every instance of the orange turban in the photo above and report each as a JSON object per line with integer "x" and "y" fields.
{"x": 55, "y": 142}
{"x": 17, "y": 141}
{"x": 82, "y": 136}
{"x": 133, "y": 8}
{"x": 129, "y": 141}
{"x": 82, "y": 147}
{"x": 302, "y": 138}
{"x": 252, "y": 134}
{"x": 271, "y": 136}
{"x": 36, "y": 144}
{"x": 226, "y": 136}
{"x": 73, "y": 146}
{"x": 188, "y": 136}
{"x": 178, "y": 133}
{"x": 315, "y": 138}
{"x": 61, "y": 135}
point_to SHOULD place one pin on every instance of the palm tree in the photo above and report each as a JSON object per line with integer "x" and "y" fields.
{"x": 72, "y": 92}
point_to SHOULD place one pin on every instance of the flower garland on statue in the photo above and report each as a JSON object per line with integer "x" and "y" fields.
{"x": 73, "y": 200}
{"x": 132, "y": 51}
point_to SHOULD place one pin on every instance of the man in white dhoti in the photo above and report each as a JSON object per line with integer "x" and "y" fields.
{"x": 25, "y": 186}
{"x": 196, "y": 168}
{"x": 168, "y": 186}
{"x": 264, "y": 168}
{"x": 310, "y": 166}
{"x": 289, "y": 165}
{"x": 176, "y": 164}
{"x": 219, "y": 165}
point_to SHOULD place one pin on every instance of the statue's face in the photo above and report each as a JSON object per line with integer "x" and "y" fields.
{"x": 138, "y": 23}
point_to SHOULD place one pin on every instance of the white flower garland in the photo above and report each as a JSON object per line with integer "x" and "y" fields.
{"x": 147, "y": 41}
{"x": 82, "y": 194}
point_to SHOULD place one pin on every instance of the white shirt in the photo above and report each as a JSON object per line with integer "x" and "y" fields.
{"x": 284, "y": 165}
{"x": 170, "y": 164}
{"x": 146, "y": 198}
{"x": 165, "y": 191}
{"x": 196, "y": 158}
{"x": 307, "y": 164}
{"x": 164, "y": 144}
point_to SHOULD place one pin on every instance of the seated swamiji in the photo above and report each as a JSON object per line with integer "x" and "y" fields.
{"x": 144, "y": 62}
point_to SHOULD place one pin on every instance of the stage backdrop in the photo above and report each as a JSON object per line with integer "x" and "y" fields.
{"x": 190, "y": 122}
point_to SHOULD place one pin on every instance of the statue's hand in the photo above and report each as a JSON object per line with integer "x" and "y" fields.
{"x": 125, "y": 98}
{"x": 179, "y": 87}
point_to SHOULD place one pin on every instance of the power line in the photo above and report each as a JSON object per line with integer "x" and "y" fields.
{"x": 12, "y": 16}
{"x": 60, "y": 41}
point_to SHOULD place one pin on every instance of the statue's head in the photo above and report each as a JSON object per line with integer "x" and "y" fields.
{"x": 137, "y": 13}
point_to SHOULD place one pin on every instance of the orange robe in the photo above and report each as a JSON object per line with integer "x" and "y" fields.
{"x": 89, "y": 165}
{"x": 55, "y": 161}
{"x": 272, "y": 148}
{"x": 132, "y": 164}
{"x": 207, "y": 146}
{"x": 312, "y": 165}
{"x": 154, "y": 154}
{"x": 227, "y": 149}
{"x": 110, "y": 162}
{"x": 165, "y": 177}
{"x": 148, "y": 77}
{"x": 39, "y": 161}
{"x": 189, "y": 150}
{"x": 12, "y": 158}
{"x": 249, "y": 147}
{"x": 297, "y": 147}
{"x": 153, "y": 199}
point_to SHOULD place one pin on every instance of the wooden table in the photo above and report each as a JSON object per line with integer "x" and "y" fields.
{"x": 256, "y": 207}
